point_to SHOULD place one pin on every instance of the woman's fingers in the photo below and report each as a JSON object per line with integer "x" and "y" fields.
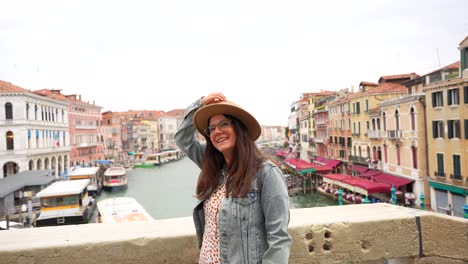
{"x": 213, "y": 98}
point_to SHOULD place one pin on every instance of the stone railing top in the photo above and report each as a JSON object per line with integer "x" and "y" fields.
{"x": 368, "y": 233}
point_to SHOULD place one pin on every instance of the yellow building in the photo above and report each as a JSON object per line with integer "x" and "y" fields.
{"x": 400, "y": 145}
{"x": 369, "y": 97}
{"x": 447, "y": 126}
{"x": 153, "y": 133}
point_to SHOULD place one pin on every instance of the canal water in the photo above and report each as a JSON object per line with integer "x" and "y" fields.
{"x": 167, "y": 191}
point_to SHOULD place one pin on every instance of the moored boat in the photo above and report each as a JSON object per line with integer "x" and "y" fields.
{"x": 94, "y": 174}
{"x": 122, "y": 209}
{"x": 115, "y": 178}
{"x": 64, "y": 203}
{"x": 164, "y": 157}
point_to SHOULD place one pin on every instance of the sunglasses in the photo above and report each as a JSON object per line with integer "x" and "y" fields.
{"x": 222, "y": 125}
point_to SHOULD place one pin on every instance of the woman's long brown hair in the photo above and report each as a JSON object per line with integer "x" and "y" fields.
{"x": 245, "y": 161}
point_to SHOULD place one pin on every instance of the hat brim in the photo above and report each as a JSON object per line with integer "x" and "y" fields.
{"x": 202, "y": 115}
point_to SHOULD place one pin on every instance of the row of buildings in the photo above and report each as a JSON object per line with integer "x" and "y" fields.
{"x": 410, "y": 126}
{"x": 48, "y": 130}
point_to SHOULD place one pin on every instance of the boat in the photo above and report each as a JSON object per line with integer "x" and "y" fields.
{"x": 144, "y": 165}
{"x": 64, "y": 203}
{"x": 94, "y": 174}
{"x": 121, "y": 210}
{"x": 115, "y": 178}
{"x": 164, "y": 157}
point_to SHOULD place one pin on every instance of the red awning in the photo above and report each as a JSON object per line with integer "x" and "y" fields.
{"x": 318, "y": 159}
{"x": 299, "y": 164}
{"x": 280, "y": 152}
{"x": 391, "y": 179}
{"x": 368, "y": 174}
{"x": 358, "y": 169}
{"x": 338, "y": 177}
{"x": 370, "y": 186}
{"x": 332, "y": 163}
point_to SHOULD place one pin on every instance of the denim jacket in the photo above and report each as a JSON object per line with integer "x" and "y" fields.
{"x": 253, "y": 229}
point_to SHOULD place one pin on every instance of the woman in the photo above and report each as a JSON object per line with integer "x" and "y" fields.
{"x": 243, "y": 210}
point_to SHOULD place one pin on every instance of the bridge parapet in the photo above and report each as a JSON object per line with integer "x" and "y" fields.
{"x": 368, "y": 233}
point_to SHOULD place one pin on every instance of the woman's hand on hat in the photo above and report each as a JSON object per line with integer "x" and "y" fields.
{"x": 213, "y": 98}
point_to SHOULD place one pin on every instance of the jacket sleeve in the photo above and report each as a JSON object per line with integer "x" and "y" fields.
{"x": 275, "y": 206}
{"x": 185, "y": 135}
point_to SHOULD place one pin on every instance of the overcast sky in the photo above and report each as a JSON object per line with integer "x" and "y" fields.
{"x": 162, "y": 55}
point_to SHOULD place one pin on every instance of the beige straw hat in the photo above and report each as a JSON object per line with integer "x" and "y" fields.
{"x": 202, "y": 115}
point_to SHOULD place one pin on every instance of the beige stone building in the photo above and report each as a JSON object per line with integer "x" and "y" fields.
{"x": 447, "y": 126}
{"x": 366, "y": 131}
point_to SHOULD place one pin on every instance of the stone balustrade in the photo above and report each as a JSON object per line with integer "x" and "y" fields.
{"x": 371, "y": 233}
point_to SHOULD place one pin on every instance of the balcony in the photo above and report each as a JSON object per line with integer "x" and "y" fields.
{"x": 86, "y": 127}
{"x": 375, "y": 134}
{"x": 439, "y": 174}
{"x": 319, "y": 140}
{"x": 372, "y": 233}
{"x": 394, "y": 134}
{"x": 357, "y": 159}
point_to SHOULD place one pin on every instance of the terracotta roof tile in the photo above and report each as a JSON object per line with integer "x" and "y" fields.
{"x": 6, "y": 87}
{"x": 388, "y": 88}
{"x": 368, "y": 83}
{"x": 389, "y": 78}
{"x": 455, "y": 65}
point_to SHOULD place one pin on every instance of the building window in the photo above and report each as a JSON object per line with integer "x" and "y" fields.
{"x": 35, "y": 112}
{"x": 8, "y": 111}
{"x": 10, "y": 141}
{"x": 378, "y": 124}
{"x": 384, "y": 122}
{"x": 398, "y": 153}
{"x": 440, "y": 164}
{"x": 456, "y": 167}
{"x": 367, "y": 106}
{"x": 438, "y": 129}
{"x": 453, "y": 96}
{"x": 466, "y": 128}
{"x": 358, "y": 108}
{"x": 465, "y": 92}
{"x": 437, "y": 99}
{"x": 368, "y": 152}
{"x": 453, "y": 128}
{"x": 413, "y": 119}
{"x": 27, "y": 111}
{"x": 397, "y": 120}
{"x": 385, "y": 153}
{"x": 414, "y": 155}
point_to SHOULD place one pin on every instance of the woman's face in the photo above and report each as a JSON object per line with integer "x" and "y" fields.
{"x": 222, "y": 135}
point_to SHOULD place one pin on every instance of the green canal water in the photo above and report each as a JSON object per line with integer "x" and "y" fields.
{"x": 167, "y": 191}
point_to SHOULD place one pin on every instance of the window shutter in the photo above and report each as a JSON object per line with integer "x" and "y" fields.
{"x": 465, "y": 92}
{"x": 433, "y": 100}
{"x": 440, "y": 163}
{"x": 456, "y": 165}
{"x": 450, "y": 128}
{"x": 466, "y": 128}
{"x": 434, "y": 129}
{"x": 449, "y": 97}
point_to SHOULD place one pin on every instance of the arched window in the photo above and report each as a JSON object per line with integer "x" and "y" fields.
{"x": 373, "y": 124}
{"x": 397, "y": 120}
{"x": 8, "y": 110}
{"x": 35, "y": 112}
{"x": 27, "y": 111}
{"x": 368, "y": 152}
{"x": 384, "y": 121}
{"x": 10, "y": 140}
{"x": 413, "y": 119}
{"x": 360, "y": 151}
{"x": 378, "y": 123}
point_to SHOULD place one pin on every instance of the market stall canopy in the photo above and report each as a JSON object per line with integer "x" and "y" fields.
{"x": 327, "y": 162}
{"x": 282, "y": 153}
{"x": 391, "y": 180}
{"x": 358, "y": 169}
